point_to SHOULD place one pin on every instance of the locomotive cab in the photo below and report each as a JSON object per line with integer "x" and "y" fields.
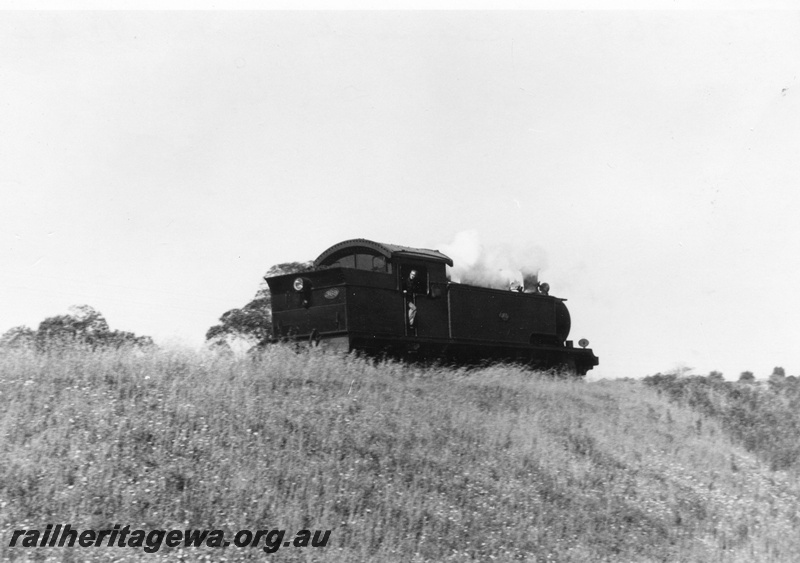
{"x": 390, "y": 299}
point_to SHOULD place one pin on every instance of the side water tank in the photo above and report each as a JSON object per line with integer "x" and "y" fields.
{"x": 563, "y": 322}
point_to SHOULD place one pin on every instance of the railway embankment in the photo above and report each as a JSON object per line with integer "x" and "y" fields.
{"x": 399, "y": 462}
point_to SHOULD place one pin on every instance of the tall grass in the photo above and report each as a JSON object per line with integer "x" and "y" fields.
{"x": 763, "y": 417}
{"x": 402, "y": 463}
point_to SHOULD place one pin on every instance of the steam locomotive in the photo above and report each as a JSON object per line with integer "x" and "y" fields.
{"x": 395, "y": 300}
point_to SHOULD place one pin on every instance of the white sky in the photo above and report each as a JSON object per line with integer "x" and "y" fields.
{"x": 155, "y": 164}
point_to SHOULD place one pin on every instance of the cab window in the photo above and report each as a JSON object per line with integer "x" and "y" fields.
{"x": 362, "y": 261}
{"x": 380, "y": 264}
{"x": 420, "y": 282}
{"x": 346, "y": 261}
{"x": 372, "y": 263}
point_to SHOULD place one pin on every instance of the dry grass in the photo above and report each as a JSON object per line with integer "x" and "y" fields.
{"x": 402, "y": 463}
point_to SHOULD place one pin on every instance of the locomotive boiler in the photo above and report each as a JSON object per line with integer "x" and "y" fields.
{"x": 385, "y": 299}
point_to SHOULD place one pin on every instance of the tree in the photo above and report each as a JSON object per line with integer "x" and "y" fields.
{"x": 715, "y": 376}
{"x": 58, "y": 332}
{"x": 253, "y": 322}
{"x": 83, "y": 326}
{"x": 778, "y": 376}
{"x": 747, "y": 377}
{"x": 122, "y": 338}
{"x": 18, "y": 337}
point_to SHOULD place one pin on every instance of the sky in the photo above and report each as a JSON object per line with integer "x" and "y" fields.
{"x": 155, "y": 164}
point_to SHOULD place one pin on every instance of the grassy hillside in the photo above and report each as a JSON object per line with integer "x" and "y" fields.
{"x": 400, "y": 463}
{"x": 764, "y": 417}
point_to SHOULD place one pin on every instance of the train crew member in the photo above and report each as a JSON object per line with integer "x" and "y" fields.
{"x": 411, "y": 287}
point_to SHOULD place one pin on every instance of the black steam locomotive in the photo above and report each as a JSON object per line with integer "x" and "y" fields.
{"x": 395, "y": 300}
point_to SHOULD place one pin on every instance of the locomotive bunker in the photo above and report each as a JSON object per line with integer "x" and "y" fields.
{"x": 362, "y": 295}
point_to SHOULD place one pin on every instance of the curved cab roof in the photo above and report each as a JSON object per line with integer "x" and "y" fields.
{"x": 390, "y": 251}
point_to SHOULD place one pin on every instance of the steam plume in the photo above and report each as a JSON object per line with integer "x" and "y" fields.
{"x": 500, "y": 266}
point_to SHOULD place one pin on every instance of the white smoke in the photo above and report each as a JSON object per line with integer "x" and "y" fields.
{"x": 501, "y": 266}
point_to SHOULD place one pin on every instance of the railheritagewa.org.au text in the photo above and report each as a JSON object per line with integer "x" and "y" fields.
{"x": 151, "y": 541}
